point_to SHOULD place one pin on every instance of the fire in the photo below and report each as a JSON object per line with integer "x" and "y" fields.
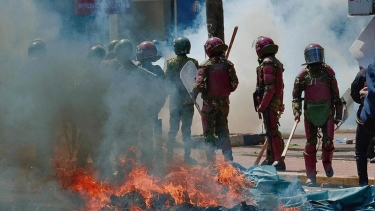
{"x": 135, "y": 208}
{"x": 96, "y": 194}
{"x": 282, "y": 208}
{"x": 219, "y": 184}
{"x": 211, "y": 186}
{"x": 139, "y": 181}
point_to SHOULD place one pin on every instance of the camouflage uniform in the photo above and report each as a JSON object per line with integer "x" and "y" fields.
{"x": 216, "y": 79}
{"x": 181, "y": 107}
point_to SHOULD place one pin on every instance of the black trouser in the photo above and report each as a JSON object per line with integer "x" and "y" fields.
{"x": 363, "y": 138}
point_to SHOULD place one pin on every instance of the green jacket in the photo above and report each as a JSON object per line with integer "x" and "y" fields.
{"x": 175, "y": 87}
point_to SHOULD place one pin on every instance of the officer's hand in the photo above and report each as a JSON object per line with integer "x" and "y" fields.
{"x": 282, "y": 108}
{"x": 338, "y": 121}
{"x": 363, "y": 93}
{"x": 297, "y": 117}
{"x": 261, "y": 109}
{"x": 259, "y": 101}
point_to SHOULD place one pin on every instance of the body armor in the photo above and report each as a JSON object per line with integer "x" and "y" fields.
{"x": 270, "y": 85}
{"x": 322, "y": 103}
{"x": 218, "y": 81}
{"x": 317, "y": 100}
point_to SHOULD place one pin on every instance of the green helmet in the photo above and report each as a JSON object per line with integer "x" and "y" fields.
{"x": 111, "y": 45}
{"x": 181, "y": 45}
{"x": 37, "y": 48}
{"x": 96, "y": 51}
{"x": 123, "y": 49}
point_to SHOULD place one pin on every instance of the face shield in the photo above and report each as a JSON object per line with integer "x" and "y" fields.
{"x": 314, "y": 55}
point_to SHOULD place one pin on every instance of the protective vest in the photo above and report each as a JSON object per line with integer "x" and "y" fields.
{"x": 318, "y": 99}
{"x": 270, "y": 85}
{"x": 218, "y": 81}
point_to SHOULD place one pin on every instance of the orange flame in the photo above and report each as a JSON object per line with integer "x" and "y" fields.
{"x": 282, "y": 208}
{"x": 217, "y": 185}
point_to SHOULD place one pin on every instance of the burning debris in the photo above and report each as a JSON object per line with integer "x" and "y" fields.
{"x": 183, "y": 188}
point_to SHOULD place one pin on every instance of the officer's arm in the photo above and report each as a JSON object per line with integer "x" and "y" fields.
{"x": 233, "y": 77}
{"x": 270, "y": 85}
{"x": 296, "y": 94}
{"x": 169, "y": 78}
{"x": 200, "y": 81}
{"x": 336, "y": 98}
{"x": 159, "y": 72}
{"x": 196, "y": 63}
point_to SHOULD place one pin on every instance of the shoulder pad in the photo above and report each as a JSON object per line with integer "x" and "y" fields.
{"x": 230, "y": 63}
{"x": 268, "y": 60}
{"x": 172, "y": 59}
{"x": 194, "y": 61}
{"x": 280, "y": 64}
{"x": 302, "y": 73}
{"x": 329, "y": 70}
{"x": 205, "y": 63}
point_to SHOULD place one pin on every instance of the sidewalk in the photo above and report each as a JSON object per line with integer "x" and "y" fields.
{"x": 344, "y": 165}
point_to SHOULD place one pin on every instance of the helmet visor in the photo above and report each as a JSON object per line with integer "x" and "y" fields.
{"x": 314, "y": 55}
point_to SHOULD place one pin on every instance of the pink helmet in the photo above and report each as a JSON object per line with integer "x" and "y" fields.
{"x": 147, "y": 50}
{"x": 314, "y": 53}
{"x": 265, "y": 45}
{"x": 214, "y": 45}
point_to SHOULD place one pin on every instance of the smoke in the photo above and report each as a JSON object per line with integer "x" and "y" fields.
{"x": 36, "y": 103}
{"x": 35, "y": 106}
{"x": 292, "y": 25}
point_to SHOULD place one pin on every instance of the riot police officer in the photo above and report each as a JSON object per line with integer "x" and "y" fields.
{"x": 181, "y": 108}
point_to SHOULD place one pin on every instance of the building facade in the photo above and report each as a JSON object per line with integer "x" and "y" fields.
{"x": 100, "y": 21}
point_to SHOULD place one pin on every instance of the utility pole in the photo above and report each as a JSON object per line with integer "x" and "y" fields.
{"x": 215, "y": 18}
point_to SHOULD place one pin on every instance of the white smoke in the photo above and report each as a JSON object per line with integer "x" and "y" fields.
{"x": 292, "y": 25}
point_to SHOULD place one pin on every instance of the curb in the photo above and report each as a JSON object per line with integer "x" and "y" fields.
{"x": 323, "y": 181}
{"x": 246, "y": 139}
{"x": 250, "y": 139}
{"x": 238, "y": 140}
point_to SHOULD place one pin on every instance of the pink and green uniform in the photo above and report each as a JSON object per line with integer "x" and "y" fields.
{"x": 270, "y": 89}
{"x": 322, "y": 108}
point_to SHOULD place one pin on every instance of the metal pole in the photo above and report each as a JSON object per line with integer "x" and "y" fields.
{"x": 175, "y": 18}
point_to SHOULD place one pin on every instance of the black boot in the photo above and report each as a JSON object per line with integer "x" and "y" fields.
{"x": 269, "y": 156}
{"x": 280, "y": 166}
{"x": 362, "y": 171}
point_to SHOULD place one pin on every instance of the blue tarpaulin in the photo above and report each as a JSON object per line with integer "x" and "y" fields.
{"x": 271, "y": 191}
